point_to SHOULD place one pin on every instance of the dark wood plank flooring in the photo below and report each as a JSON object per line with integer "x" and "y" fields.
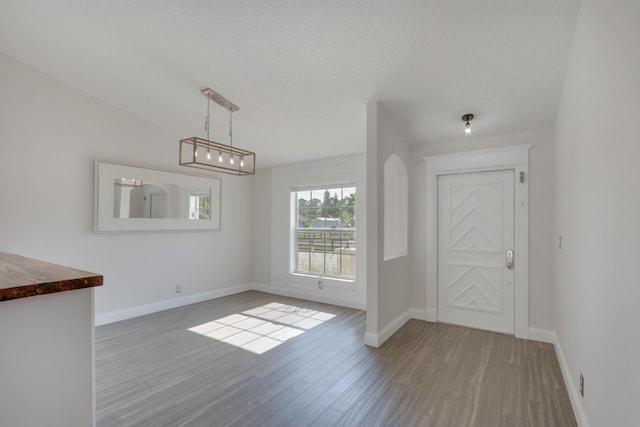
{"x": 154, "y": 371}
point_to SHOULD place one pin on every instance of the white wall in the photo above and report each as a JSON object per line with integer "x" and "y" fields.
{"x": 394, "y": 282}
{"x": 50, "y": 134}
{"x": 283, "y": 179}
{"x": 261, "y": 227}
{"x": 373, "y": 243}
{"x": 597, "y": 313}
{"x": 541, "y": 197}
{"x": 389, "y": 284}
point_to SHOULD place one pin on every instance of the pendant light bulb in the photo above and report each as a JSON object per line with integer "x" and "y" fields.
{"x": 241, "y": 161}
{"x": 467, "y": 126}
{"x": 231, "y": 160}
{"x": 220, "y": 159}
{"x": 208, "y": 154}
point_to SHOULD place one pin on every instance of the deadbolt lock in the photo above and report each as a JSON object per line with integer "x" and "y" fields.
{"x": 509, "y": 259}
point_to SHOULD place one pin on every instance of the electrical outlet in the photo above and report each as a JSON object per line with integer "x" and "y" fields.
{"x": 320, "y": 284}
{"x": 178, "y": 289}
{"x": 581, "y": 385}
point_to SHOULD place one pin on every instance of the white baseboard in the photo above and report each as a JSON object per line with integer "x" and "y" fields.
{"x": 522, "y": 330}
{"x": 376, "y": 340}
{"x": 371, "y": 339}
{"x": 115, "y": 316}
{"x": 418, "y": 314}
{"x": 311, "y": 296}
{"x": 393, "y": 326}
{"x": 431, "y": 314}
{"x": 572, "y": 388}
{"x": 543, "y": 335}
{"x": 550, "y": 336}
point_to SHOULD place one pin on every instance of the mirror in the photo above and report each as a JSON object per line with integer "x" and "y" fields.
{"x": 137, "y": 199}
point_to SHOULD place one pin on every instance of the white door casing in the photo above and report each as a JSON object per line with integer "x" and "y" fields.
{"x": 513, "y": 157}
{"x": 475, "y": 229}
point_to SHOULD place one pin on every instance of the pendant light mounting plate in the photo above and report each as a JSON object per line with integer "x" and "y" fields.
{"x": 467, "y": 117}
{"x": 220, "y": 100}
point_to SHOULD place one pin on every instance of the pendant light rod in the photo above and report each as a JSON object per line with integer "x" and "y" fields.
{"x": 220, "y": 100}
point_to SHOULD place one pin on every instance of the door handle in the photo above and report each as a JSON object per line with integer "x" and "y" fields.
{"x": 509, "y": 259}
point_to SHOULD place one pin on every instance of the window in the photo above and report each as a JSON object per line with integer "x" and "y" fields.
{"x": 199, "y": 206}
{"x": 325, "y": 231}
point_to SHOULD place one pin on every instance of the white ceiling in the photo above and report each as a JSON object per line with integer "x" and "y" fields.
{"x": 302, "y": 71}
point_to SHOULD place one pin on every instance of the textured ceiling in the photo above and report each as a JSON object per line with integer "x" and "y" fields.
{"x": 301, "y": 71}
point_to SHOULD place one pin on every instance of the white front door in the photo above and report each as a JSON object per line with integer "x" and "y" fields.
{"x": 475, "y": 230}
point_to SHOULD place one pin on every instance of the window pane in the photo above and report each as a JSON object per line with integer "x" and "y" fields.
{"x": 303, "y": 254}
{"x": 319, "y": 222}
{"x": 349, "y": 196}
{"x": 304, "y": 215}
{"x": 318, "y": 195}
{"x": 317, "y": 245}
{"x": 333, "y": 264}
{"x": 347, "y": 217}
{"x": 348, "y": 265}
{"x": 303, "y": 198}
{"x": 325, "y": 232}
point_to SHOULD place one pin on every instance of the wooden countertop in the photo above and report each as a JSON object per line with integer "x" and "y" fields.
{"x": 22, "y": 277}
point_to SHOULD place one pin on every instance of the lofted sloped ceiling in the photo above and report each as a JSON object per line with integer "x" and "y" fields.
{"x": 302, "y": 71}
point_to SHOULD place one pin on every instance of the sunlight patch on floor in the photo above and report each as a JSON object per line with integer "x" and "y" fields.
{"x": 262, "y": 328}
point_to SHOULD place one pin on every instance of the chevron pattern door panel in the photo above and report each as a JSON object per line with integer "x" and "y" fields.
{"x": 475, "y": 287}
{"x": 475, "y": 217}
{"x": 475, "y": 229}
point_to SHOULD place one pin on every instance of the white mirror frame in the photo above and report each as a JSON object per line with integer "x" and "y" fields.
{"x": 106, "y": 173}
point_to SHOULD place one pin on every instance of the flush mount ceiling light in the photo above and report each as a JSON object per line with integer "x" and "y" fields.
{"x": 214, "y": 156}
{"x": 467, "y": 127}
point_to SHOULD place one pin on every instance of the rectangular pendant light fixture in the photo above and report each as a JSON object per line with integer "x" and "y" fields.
{"x": 214, "y": 156}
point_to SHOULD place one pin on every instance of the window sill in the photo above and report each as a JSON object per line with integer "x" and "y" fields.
{"x": 314, "y": 277}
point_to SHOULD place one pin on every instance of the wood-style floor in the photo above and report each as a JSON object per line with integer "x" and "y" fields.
{"x": 155, "y": 371}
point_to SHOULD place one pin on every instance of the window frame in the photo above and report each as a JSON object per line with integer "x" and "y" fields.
{"x": 295, "y": 230}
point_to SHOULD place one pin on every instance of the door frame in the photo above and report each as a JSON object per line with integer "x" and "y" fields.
{"x": 513, "y": 157}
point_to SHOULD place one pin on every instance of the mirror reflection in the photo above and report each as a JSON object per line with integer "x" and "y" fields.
{"x": 133, "y": 198}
